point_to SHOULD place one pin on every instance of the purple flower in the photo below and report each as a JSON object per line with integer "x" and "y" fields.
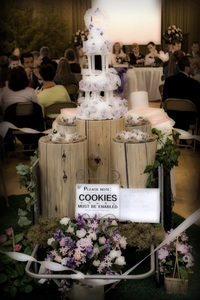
{"x": 58, "y": 235}
{"x": 80, "y": 221}
{"x": 70, "y": 262}
{"x": 89, "y": 252}
{"x": 69, "y": 243}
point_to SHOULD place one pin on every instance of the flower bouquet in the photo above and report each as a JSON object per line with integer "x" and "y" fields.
{"x": 90, "y": 246}
{"x": 79, "y": 37}
{"x": 176, "y": 261}
{"x": 172, "y": 33}
{"x": 121, "y": 60}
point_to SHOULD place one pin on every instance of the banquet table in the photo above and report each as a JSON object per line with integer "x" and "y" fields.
{"x": 144, "y": 79}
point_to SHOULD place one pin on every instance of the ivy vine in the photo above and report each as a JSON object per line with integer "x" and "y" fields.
{"x": 167, "y": 156}
{"x": 26, "y": 180}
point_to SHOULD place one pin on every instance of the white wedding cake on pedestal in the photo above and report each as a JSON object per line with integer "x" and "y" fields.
{"x": 99, "y": 102}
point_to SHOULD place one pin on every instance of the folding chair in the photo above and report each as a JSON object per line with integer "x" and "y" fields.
{"x": 187, "y": 106}
{"x": 25, "y": 115}
{"x": 73, "y": 90}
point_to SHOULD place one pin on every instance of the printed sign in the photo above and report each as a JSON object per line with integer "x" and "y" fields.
{"x": 140, "y": 205}
{"x": 100, "y": 199}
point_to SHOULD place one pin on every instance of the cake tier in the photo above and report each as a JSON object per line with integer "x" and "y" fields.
{"x": 96, "y": 43}
{"x": 94, "y": 108}
{"x": 99, "y": 81}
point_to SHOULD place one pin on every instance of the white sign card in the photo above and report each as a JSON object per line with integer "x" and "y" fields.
{"x": 99, "y": 199}
{"x": 140, "y": 205}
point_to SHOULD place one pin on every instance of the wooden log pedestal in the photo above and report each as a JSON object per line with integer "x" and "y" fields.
{"x": 60, "y": 164}
{"x": 130, "y": 160}
{"x": 99, "y": 135}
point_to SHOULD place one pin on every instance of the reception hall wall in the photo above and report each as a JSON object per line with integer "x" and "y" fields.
{"x": 183, "y": 14}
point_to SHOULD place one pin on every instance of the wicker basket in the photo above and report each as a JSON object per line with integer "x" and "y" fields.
{"x": 175, "y": 285}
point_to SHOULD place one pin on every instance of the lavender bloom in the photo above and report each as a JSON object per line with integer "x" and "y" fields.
{"x": 48, "y": 258}
{"x": 70, "y": 262}
{"x": 80, "y": 221}
{"x": 58, "y": 235}
{"x": 69, "y": 243}
{"x": 108, "y": 247}
{"x": 105, "y": 225}
{"x": 89, "y": 252}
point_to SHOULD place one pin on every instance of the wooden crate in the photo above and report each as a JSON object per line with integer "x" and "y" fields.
{"x": 99, "y": 135}
{"x": 130, "y": 160}
{"x": 59, "y": 166}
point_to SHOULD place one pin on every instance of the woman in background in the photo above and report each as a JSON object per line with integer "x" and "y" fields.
{"x": 18, "y": 89}
{"x": 64, "y": 74}
{"x": 117, "y": 55}
{"x": 65, "y": 77}
{"x": 172, "y": 67}
{"x": 81, "y": 57}
{"x": 71, "y": 57}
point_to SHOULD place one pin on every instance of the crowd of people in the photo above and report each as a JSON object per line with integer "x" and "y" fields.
{"x": 36, "y": 77}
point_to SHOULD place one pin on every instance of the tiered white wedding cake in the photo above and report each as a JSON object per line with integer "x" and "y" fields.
{"x": 98, "y": 102}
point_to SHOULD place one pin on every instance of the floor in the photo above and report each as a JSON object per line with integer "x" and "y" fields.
{"x": 187, "y": 179}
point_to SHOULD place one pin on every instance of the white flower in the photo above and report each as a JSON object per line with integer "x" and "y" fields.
{"x": 93, "y": 236}
{"x": 81, "y": 233}
{"x": 70, "y": 229}
{"x": 50, "y": 241}
{"x": 115, "y": 253}
{"x": 120, "y": 261}
{"x": 96, "y": 263}
{"x": 64, "y": 221}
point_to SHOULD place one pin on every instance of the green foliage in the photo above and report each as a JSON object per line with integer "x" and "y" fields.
{"x": 13, "y": 278}
{"x": 167, "y": 155}
{"x": 26, "y": 180}
{"x": 20, "y": 27}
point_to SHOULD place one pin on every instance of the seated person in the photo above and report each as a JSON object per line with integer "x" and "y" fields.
{"x": 15, "y": 51}
{"x": 18, "y": 90}
{"x": 71, "y": 57}
{"x": 4, "y": 63}
{"x": 176, "y": 45}
{"x": 27, "y": 64}
{"x": 13, "y": 61}
{"x": 194, "y": 48}
{"x": 172, "y": 67}
{"x": 45, "y": 54}
{"x": 64, "y": 75}
{"x": 51, "y": 92}
{"x": 135, "y": 56}
{"x": 183, "y": 87}
{"x": 197, "y": 64}
{"x": 81, "y": 57}
{"x": 155, "y": 57}
{"x": 117, "y": 55}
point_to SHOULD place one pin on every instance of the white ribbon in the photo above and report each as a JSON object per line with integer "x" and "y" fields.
{"x": 4, "y": 126}
{"x": 53, "y": 266}
{"x": 185, "y": 135}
